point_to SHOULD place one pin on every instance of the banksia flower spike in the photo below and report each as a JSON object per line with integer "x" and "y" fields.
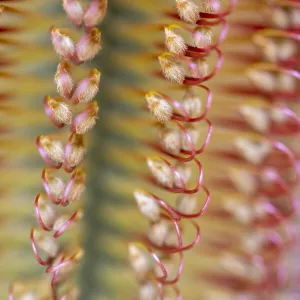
{"x": 53, "y": 222}
{"x": 262, "y": 188}
{"x": 185, "y": 66}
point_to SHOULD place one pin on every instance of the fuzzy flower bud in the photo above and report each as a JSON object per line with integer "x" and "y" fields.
{"x": 174, "y": 42}
{"x": 185, "y": 173}
{"x": 194, "y": 134}
{"x": 162, "y": 233}
{"x": 187, "y": 11}
{"x": 263, "y": 80}
{"x": 169, "y": 140}
{"x": 89, "y": 45}
{"x": 171, "y": 70}
{"x": 203, "y": 37}
{"x": 191, "y": 103}
{"x": 95, "y": 13}
{"x": 159, "y": 107}
{"x": 74, "y": 10}
{"x": 186, "y": 204}
{"x": 75, "y": 186}
{"x": 58, "y": 111}
{"x": 87, "y": 88}
{"x": 62, "y": 43}
{"x": 86, "y": 120}
{"x": 65, "y": 270}
{"x": 140, "y": 261}
{"x": 210, "y": 6}
{"x": 47, "y": 211}
{"x": 47, "y": 243}
{"x": 63, "y": 80}
{"x": 75, "y": 152}
{"x": 244, "y": 181}
{"x": 161, "y": 171}
{"x": 256, "y": 117}
{"x": 253, "y": 152}
{"x": 148, "y": 206}
{"x": 53, "y": 185}
{"x": 148, "y": 291}
{"x": 52, "y": 151}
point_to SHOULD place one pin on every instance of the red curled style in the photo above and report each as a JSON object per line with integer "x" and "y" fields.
{"x": 274, "y": 77}
{"x": 181, "y": 119}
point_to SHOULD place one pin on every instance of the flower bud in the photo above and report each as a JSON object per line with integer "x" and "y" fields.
{"x": 148, "y": 206}
{"x": 203, "y": 37}
{"x": 159, "y": 107}
{"x": 140, "y": 261}
{"x": 63, "y": 80}
{"x": 262, "y": 80}
{"x": 74, "y": 10}
{"x": 66, "y": 269}
{"x": 47, "y": 243}
{"x": 191, "y": 103}
{"x": 185, "y": 173}
{"x": 161, "y": 172}
{"x": 75, "y": 186}
{"x": 174, "y": 42}
{"x": 256, "y": 117}
{"x": 62, "y": 43}
{"x": 186, "y": 204}
{"x": 61, "y": 221}
{"x": 148, "y": 291}
{"x": 169, "y": 140}
{"x": 53, "y": 185}
{"x": 244, "y": 181}
{"x": 86, "y": 120}
{"x": 253, "y": 152}
{"x": 75, "y": 152}
{"x": 29, "y": 296}
{"x": 47, "y": 211}
{"x": 52, "y": 151}
{"x": 194, "y": 134}
{"x": 210, "y": 6}
{"x": 162, "y": 233}
{"x": 240, "y": 210}
{"x": 286, "y": 83}
{"x": 187, "y": 11}
{"x": 87, "y": 88}
{"x": 89, "y": 45}
{"x": 58, "y": 111}
{"x": 171, "y": 70}
{"x": 95, "y": 13}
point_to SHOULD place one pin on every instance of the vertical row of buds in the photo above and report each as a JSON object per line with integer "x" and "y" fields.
{"x": 183, "y": 134}
{"x": 269, "y": 176}
{"x": 62, "y": 159}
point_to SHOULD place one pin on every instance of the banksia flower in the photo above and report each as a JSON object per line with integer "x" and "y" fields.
{"x": 186, "y": 67}
{"x": 152, "y": 166}
{"x": 61, "y": 258}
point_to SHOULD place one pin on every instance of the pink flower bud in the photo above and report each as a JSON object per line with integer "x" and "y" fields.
{"x": 63, "y": 80}
{"x": 74, "y": 152}
{"x": 58, "y": 111}
{"x": 87, "y": 89}
{"x": 86, "y": 120}
{"x": 89, "y": 45}
{"x": 95, "y": 13}
{"x": 75, "y": 187}
{"x": 74, "y": 10}
{"x": 51, "y": 151}
{"x": 53, "y": 185}
{"x": 62, "y": 43}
